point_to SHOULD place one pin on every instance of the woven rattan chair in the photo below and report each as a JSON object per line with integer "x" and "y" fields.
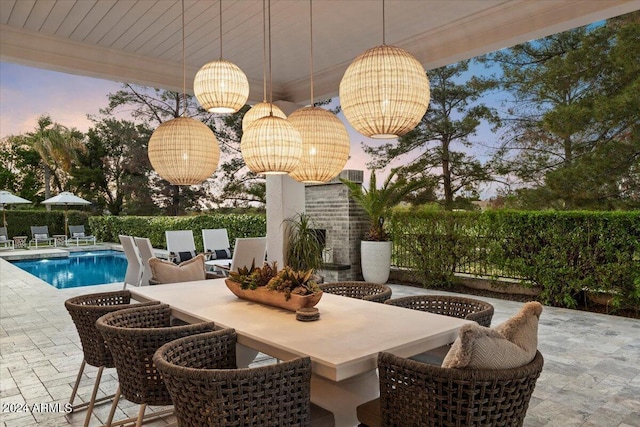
{"x": 453, "y": 306}
{"x": 418, "y": 394}
{"x": 208, "y": 390}
{"x": 360, "y": 290}
{"x": 85, "y": 310}
{"x": 133, "y": 336}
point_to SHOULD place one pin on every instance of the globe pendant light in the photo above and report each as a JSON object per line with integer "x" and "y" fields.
{"x": 221, "y": 86}
{"x": 271, "y": 145}
{"x": 384, "y": 93}
{"x": 264, "y": 108}
{"x": 184, "y": 151}
{"x": 325, "y": 141}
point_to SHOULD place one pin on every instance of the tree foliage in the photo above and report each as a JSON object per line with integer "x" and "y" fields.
{"x": 574, "y": 127}
{"x": 438, "y": 142}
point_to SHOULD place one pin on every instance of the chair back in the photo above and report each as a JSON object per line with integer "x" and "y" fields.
{"x": 146, "y": 251}
{"x": 360, "y": 290}
{"x": 215, "y": 239}
{"x": 133, "y": 335}
{"x": 207, "y": 389}
{"x": 134, "y": 263}
{"x": 75, "y": 229}
{"x": 415, "y": 393}
{"x": 3, "y": 232}
{"x": 249, "y": 250}
{"x": 84, "y": 311}
{"x": 41, "y": 229}
{"x": 180, "y": 241}
{"x": 449, "y": 305}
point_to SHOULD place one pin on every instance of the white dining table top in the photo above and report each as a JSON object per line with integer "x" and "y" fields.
{"x": 343, "y": 343}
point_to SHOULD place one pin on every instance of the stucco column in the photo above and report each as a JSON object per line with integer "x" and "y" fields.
{"x": 285, "y": 198}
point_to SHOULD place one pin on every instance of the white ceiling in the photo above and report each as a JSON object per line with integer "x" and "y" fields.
{"x": 140, "y": 41}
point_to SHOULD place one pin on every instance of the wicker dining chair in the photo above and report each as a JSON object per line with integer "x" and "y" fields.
{"x": 360, "y": 290}
{"x": 208, "y": 390}
{"x": 417, "y": 394}
{"x": 84, "y": 311}
{"x": 446, "y": 305}
{"x": 133, "y": 336}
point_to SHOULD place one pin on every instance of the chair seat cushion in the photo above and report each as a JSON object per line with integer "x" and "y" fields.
{"x": 511, "y": 344}
{"x": 167, "y": 272}
{"x": 369, "y": 413}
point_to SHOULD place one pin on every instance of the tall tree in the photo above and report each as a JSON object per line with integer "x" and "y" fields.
{"x": 115, "y": 170}
{"x": 57, "y": 148}
{"x": 574, "y": 128}
{"x": 440, "y": 140}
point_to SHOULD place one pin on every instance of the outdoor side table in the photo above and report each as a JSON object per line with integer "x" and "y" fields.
{"x": 20, "y": 242}
{"x": 61, "y": 239}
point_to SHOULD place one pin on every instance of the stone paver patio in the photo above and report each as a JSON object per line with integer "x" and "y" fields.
{"x": 591, "y": 375}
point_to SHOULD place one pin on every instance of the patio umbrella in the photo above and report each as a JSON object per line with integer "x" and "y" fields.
{"x": 7, "y": 198}
{"x": 65, "y": 198}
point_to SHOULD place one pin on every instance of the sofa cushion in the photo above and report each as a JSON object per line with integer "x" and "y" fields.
{"x": 511, "y": 344}
{"x": 167, "y": 272}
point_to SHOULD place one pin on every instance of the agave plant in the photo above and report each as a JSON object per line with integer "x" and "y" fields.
{"x": 254, "y": 277}
{"x": 295, "y": 282}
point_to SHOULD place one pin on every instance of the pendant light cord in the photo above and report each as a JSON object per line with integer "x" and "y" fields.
{"x": 264, "y": 51}
{"x": 220, "y": 29}
{"x": 184, "y": 72}
{"x": 311, "y": 43}
{"x": 384, "y": 42}
{"x": 270, "y": 69}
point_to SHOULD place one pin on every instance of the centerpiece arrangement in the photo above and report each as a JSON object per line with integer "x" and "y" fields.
{"x": 287, "y": 288}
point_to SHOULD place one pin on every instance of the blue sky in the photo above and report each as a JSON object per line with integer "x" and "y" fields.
{"x": 27, "y": 93}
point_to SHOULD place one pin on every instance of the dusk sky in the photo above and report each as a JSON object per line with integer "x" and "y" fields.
{"x": 27, "y": 93}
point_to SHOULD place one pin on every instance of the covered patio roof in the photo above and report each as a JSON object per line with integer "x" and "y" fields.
{"x": 139, "y": 41}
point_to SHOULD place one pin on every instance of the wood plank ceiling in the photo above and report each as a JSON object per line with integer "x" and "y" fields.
{"x": 140, "y": 41}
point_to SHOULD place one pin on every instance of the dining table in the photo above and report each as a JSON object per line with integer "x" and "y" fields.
{"x": 343, "y": 343}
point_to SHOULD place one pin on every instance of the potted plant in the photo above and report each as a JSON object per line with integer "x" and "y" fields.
{"x": 375, "y": 249}
{"x": 287, "y": 288}
{"x": 303, "y": 251}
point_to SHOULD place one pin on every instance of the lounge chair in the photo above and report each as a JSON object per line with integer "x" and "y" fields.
{"x": 146, "y": 252}
{"x": 217, "y": 248}
{"x": 248, "y": 251}
{"x": 134, "y": 263}
{"x": 5, "y": 242}
{"x": 78, "y": 235}
{"x": 40, "y": 236}
{"x": 180, "y": 245}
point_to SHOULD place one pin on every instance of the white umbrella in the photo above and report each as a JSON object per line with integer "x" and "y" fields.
{"x": 7, "y": 198}
{"x": 65, "y": 198}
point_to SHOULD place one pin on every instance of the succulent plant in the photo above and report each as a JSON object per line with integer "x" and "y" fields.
{"x": 254, "y": 277}
{"x": 291, "y": 281}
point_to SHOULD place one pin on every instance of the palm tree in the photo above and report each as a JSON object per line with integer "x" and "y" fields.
{"x": 57, "y": 147}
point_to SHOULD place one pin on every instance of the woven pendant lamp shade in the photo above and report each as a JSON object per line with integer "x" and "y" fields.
{"x": 325, "y": 145}
{"x": 384, "y": 93}
{"x": 271, "y": 145}
{"x": 221, "y": 87}
{"x": 258, "y": 111}
{"x": 184, "y": 151}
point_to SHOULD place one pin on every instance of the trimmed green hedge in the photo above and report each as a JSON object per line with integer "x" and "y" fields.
{"x": 565, "y": 253}
{"x": 20, "y": 221}
{"x": 107, "y": 228}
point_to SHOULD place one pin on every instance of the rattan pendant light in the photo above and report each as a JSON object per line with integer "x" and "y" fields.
{"x": 264, "y": 108}
{"x": 384, "y": 93}
{"x": 271, "y": 145}
{"x": 221, "y": 86}
{"x": 184, "y": 151}
{"x": 325, "y": 141}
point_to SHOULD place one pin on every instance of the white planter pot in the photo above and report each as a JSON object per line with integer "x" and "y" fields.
{"x": 375, "y": 258}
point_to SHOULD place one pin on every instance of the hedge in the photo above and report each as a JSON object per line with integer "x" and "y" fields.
{"x": 19, "y": 222}
{"x": 107, "y": 228}
{"x": 564, "y": 253}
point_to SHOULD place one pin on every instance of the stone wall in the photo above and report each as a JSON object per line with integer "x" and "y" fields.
{"x": 345, "y": 222}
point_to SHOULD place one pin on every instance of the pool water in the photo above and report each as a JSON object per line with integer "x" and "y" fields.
{"x": 80, "y": 269}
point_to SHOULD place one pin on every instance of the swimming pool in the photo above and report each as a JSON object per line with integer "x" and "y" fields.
{"x": 80, "y": 269}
